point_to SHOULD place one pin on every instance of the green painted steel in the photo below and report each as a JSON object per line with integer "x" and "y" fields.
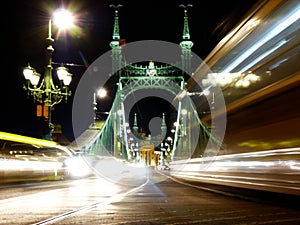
{"x": 189, "y": 139}
{"x": 116, "y": 138}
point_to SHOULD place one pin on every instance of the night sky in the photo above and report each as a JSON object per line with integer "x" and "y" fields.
{"x": 24, "y": 30}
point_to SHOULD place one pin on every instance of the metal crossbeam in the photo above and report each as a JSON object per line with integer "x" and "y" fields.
{"x": 171, "y": 83}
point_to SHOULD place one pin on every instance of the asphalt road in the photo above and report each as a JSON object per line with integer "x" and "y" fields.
{"x": 145, "y": 197}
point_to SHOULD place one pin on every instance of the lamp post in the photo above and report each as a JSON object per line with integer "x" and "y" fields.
{"x": 101, "y": 93}
{"x": 42, "y": 89}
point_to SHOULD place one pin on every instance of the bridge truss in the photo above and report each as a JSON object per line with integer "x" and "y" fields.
{"x": 117, "y": 138}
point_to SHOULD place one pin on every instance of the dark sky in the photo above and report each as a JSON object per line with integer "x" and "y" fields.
{"x": 24, "y": 29}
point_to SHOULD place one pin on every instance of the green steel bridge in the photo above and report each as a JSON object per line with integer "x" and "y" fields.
{"x": 181, "y": 137}
{"x": 185, "y": 137}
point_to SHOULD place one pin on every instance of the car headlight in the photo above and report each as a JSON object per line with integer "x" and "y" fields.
{"x": 77, "y": 167}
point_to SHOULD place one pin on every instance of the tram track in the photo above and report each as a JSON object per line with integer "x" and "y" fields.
{"x": 86, "y": 208}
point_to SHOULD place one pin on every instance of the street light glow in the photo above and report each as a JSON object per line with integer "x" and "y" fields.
{"x": 67, "y": 80}
{"x": 61, "y": 72}
{"x": 102, "y": 93}
{"x": 28, "y": 72}
{"x": 63, "y": 19}
{"x": 35, "y": 78}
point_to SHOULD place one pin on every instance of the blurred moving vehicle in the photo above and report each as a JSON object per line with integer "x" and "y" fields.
{"x": 25, "y": 158}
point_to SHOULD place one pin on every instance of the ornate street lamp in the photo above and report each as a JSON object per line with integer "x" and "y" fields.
{"x": 42, "y": 89}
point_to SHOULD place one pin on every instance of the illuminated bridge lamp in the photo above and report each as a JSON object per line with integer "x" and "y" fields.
{"x": 42, "y": 89}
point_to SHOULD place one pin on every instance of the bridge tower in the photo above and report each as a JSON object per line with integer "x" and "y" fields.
{"x": 163, "y": 125}
{"x": 135, "y": 125}
{"x": 115, "y": 43}
{"x": 115, "y": 137}
{"x": 186, "y": 44}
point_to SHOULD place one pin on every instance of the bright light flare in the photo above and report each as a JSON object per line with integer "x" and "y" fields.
{"x": 116, "y": 170}
{"x": 102, "y": 93}
{"x": 77, "y": 167}
{"x": 26, "y": 165}
{"x": 63, "y": 19}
